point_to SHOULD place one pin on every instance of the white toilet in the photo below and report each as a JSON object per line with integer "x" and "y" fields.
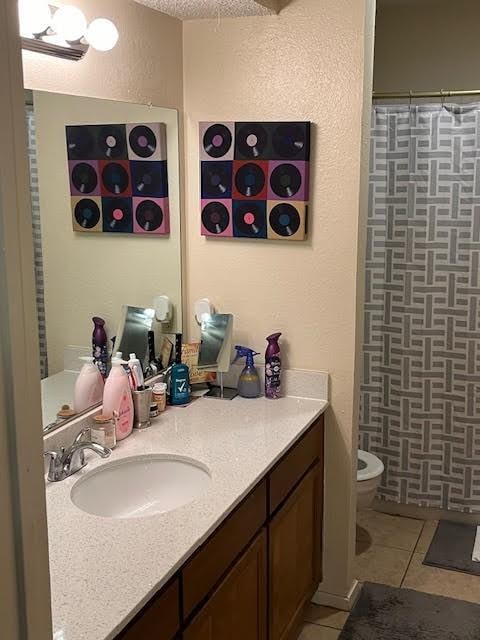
{"x": 369, "y": 472}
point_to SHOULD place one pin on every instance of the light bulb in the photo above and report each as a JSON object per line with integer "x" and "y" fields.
{"x": 34, "y": 17}
{"x": 102, "y": 34}
{"x": 69, "y": 23}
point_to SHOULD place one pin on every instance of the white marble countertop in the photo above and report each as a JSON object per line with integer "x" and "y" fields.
{"x": 104, "y": 570}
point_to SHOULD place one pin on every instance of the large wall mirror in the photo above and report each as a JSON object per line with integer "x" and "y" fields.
{"x": 105, "y": 194}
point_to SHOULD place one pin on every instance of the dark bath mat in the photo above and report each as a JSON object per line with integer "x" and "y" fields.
{"x": 452, "y": 547}
{"x": 386, "y": 613}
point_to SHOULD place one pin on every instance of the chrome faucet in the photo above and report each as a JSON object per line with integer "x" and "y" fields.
{"x": 67, "y": 461}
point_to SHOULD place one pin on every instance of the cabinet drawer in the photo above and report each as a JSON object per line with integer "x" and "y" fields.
{"x": 207, "y": 566}
{"x": 295, "y": 463}
{"x": 295, "y": 554}
{"x": 159, "y": 620}
{"x": 237, "y": 609}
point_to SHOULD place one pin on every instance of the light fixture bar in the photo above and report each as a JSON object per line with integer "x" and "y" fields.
{"x": 70, "y": 52}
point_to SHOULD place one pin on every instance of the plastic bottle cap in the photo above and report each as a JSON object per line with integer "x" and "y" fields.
{"x": 117, "y": 361}
{"x": 159, "y": 387}
{"x": 133, "y": 356}
{"x": 118, "y": 355}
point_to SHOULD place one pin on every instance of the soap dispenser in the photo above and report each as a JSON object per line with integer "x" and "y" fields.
{"x": 117, "y": 399}
{"x": 89, "y": 385}
{"x": 249, "y": 380}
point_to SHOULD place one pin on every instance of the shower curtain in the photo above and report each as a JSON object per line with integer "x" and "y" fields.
{"x": 37, "y": 238}
{"x": 420, "y": 392}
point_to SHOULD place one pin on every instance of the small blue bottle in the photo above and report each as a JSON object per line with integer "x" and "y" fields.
{"x": 179, "y": 376}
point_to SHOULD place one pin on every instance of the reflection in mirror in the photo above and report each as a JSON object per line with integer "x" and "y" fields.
{"x": 215, "y": 350}
{"x": 115, "y": 257}
{"x": 132, "y": 334}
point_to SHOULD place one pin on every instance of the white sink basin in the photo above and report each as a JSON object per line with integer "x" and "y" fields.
{"x": 140, "y": 486}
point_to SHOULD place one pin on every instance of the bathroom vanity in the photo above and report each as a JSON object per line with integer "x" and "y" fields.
{"x": 240, "y": 561}
{"x": 254, "y": 574}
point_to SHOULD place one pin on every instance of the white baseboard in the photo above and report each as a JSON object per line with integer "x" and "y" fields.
{"x": 344, "y": 603}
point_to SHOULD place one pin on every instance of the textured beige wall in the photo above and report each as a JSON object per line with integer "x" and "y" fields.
{"x": 95, "y": 273}
{"x": 305, "y": 64}
{"x": 145, "y": 66}
{"x": 433, "y": 44}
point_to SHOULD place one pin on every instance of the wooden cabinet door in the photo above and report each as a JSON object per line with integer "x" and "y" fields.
{"x": 295, "y": 554}
{"x": 237, "y": 610}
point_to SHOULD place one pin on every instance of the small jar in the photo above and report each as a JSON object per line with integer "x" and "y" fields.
{"x": 160, "y": 395}
{"x": 103, "y": 430}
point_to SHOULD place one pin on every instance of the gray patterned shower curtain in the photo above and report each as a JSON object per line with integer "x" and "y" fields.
{"x": 420, "y": 392}
{"x": 37, "y": 238}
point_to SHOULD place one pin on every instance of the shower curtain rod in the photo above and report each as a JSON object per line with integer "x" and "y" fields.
{"x": 381, "y": 95}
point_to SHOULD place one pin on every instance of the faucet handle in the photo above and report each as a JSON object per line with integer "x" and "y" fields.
{"x": 54, "y": 463}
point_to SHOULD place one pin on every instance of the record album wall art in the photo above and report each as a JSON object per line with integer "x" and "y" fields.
{"x": 254, "y": 179}
{"x": 119, "y": 178}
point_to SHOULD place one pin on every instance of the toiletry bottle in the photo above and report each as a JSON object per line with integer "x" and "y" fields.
{"x": 137, "y": 380}
{"x": 89, "y": 385}
{"x": 99, "y": 345}
{"x": 117, "y": 397}
{"x": 249, "y": 380}
{"x": 273, "y": 367}
{"x": 179, "y": 376}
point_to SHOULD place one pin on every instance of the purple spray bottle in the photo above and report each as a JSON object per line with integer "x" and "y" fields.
{"x": 99, "y": 345}
{"x": 273, "y": 367}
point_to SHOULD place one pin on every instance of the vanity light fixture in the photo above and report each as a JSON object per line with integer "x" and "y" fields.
{"x": 63, "y": 31}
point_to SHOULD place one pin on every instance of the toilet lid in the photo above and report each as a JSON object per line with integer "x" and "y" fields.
{"x": 368, "y": 466}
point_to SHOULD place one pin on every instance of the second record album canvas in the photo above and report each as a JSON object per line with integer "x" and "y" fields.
{"x": 254, "y": 179}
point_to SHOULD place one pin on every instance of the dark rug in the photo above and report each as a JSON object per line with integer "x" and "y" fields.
{"x": 386, "y": 613}
{"x": 452, "y": 547}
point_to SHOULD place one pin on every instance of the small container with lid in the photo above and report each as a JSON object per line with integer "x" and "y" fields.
{"x": 103, "y": 430}
{"x": 160, "y": 395}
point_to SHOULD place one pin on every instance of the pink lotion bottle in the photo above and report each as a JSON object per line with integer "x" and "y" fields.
{"x": 117, "y": 397}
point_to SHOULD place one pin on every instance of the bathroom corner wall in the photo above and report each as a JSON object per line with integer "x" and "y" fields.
{"x": 428, "y": 45}
{"x": 305, "y": 64}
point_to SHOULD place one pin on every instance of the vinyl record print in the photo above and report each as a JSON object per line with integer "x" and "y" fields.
{"x": 112, "y": 141}
{"x": 291, "y": 141}
{"x": 251, "y": 140}
{"x": 86, "y": 214}
{"x": 216, "y": 180}
{"x": 250, "y": 179}
{"x": 287, "y": 220}
{"x": 149, "y": 215}
{"x": 217, "y": 140}
{"x": 149, "y": 179}
{"x": 249, "y": 219}
{"x": 115, "y": 178}
{"x": 285, "y": 180}
{"x": 216, "y": 218}
{"x": 147, "y": 141}
{"x": 80, "y": 142}
{"x": 117, "y": 215}
{"x": 84, "y": 178}
{"x": 142, "y": 141}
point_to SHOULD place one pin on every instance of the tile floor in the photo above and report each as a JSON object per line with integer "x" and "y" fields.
{"x": 390, "y": 550}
